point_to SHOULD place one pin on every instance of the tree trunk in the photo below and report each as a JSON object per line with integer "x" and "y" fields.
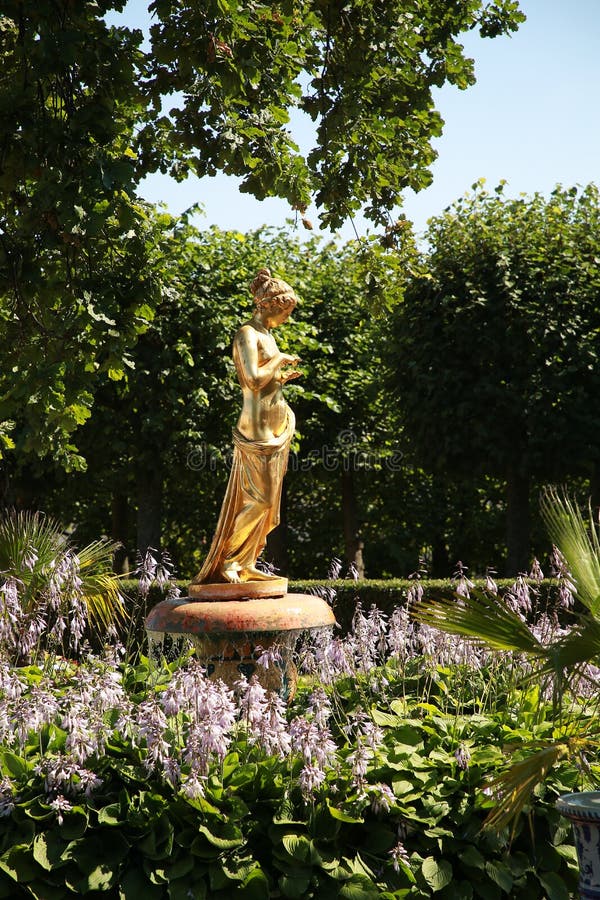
{"x": 119, "y": 510}
{"x": 352, "y": 540}
{"x": 276, "y": 551}
{"x": 441, "y": 567}
{"x": 517, "y": 521}
{"x": 149, "y": 506}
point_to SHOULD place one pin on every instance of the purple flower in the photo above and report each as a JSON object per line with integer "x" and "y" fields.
{"x": 462, "y": 584}
{"x": 399, "y": 856}
{"x": 310, "y": 779}
{"x": 566, "y": 582}
{"x": 462, "y": 756}
{"x": 335, "y": 567}
{"x": 382, "y": 798}
{"x": 60, "y": 805}
{"x": 536, "y": 573}
{"x": 489, "y": 584}
{"x": 271, "y": 657}
{"x": 7, "y": 797}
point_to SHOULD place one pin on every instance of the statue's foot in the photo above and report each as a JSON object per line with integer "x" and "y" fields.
{"x": 231, "y": 574}
{"x": 250, "y": 573}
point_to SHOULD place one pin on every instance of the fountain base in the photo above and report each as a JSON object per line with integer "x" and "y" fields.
{"x": 229, "y": 635}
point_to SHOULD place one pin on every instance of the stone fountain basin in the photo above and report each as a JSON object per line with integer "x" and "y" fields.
{"x": 292, "y": 612}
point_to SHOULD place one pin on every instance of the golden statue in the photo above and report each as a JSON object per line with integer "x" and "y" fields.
{"x": 261, "y": 440}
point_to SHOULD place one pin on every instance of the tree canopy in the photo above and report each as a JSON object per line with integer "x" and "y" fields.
{"x": 495, "y": 348}
{"x": 84, "y": 115}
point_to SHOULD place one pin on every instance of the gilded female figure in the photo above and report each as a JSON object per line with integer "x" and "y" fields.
{"x": 261, "y": 439}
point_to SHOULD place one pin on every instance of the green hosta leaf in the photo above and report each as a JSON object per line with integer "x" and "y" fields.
{"x": 180, "y": 867}
{"x": 300, "y": 848}
{"x": 388, "y": 720}
{"x": 358, "y": 887}
{"x": 554, "y": 886}
{"x": 75, "y": 824}
{"x": 48, "y": 849}
{"x": 286, "y": 814}
{"x": 229, "y": 838}
{"x": 91, "y": 854}
{"x": 41, "y": 890}
{"x": 294, "y": 886}
{"x": 436, "y": 874}
{"x": 500, "y": 874}
{"x": 110, "y": 815}
{"x": 242, "y": 775}
{"x": 342, "y": 816}
{"x": 12, "y": 765}
{"x": 459, "y": 890}
{"x": 255, "y": 886}
{"x": 472, "y": 857}
{"x": 19, "y": 864}
{"x": 134, "y": 885}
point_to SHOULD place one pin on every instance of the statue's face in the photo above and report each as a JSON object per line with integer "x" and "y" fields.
{"x": 277, "y": 315}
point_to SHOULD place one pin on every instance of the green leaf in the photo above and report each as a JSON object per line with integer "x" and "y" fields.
{"x": 48, "y": 849}
{"x": 294, "y": 886}
{"x": 554, "y": 886}
{"x": 388, "y": 720}
{"x": 19, "y": 864}
{"x": 500, "y": 874}
{"x": 134, "y": 885}
{"x": 110, "y": 815}
{"x": 230, "y": 836}
{"x": 342, "y": 816}
{"x": 472, "y": 857}
{"x": 358, "y": 887}
{"x": 255, "y": 886}
{"x": 436, "y": 874}
{"x": 299, "y": 847}
{"x": 12, "y": 765}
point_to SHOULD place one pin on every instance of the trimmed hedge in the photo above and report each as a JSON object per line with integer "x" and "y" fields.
{"x": 386, "y": 594}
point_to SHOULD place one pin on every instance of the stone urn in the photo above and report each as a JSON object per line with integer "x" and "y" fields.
{"x": 583, "y": 810}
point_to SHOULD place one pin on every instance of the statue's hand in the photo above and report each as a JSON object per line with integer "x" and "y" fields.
{"x": 290, "y": 376}
{"x": 288, "y": 360}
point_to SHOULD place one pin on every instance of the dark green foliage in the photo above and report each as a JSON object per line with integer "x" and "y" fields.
{"x": 252, "y": 835}
{"x": 496, "y": 345}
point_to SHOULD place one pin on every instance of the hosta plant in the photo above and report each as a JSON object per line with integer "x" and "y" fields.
{"x": 563, "y": 656}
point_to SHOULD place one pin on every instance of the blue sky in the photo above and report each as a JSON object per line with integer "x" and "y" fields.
{"x": 532, "y": 119}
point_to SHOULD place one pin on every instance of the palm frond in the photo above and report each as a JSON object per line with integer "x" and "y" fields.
{"x": 578, "y": 541}
{"x": 512, "y": 789}
{"x": 100, "y": 586}
{"x": 482, "y": 618}
{"x": 581, "y": 645}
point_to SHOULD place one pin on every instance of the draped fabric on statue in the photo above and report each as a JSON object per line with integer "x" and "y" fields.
{"x": 251, "y": 505}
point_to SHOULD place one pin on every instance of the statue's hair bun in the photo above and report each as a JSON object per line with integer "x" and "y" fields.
{"x": 269, "y": 291}
{"x": 260, "y": 281}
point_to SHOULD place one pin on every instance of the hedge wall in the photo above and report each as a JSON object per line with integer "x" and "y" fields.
{"x": 345, "y": 594}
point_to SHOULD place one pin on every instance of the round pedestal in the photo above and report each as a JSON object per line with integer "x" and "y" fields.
{"x": 584, "y": 812}
{"x": 229, "y": 635}
{"x": 245, "y": 590}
